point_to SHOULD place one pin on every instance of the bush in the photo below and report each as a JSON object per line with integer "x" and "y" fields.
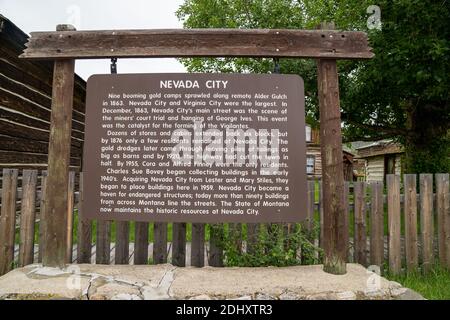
{"x": 276, "y": 245}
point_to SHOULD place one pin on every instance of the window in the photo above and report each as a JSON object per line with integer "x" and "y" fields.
{"x": 310, "y": 162}
{"x": 308, "y": 133}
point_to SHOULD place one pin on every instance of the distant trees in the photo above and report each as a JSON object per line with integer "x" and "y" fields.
{"x": 402, "y": 93}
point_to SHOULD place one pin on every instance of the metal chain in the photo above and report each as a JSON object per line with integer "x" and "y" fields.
{"x": 113, "y": 65}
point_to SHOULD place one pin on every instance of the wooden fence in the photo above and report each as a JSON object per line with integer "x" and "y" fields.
{"x": 399, "y": 224}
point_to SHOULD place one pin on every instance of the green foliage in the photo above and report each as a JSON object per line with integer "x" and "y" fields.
{"x": 434, "y": 285}
{"x": 402, "y": 93}
{"x": 274, "y": 247}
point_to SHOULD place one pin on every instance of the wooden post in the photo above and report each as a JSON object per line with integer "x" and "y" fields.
{"x": 394, "y": 223}
{"x": 55, "y": 214}
{"x": 27, "y": 217}
{"x": 334, "y": 220}
{"x": 8, "y": 220}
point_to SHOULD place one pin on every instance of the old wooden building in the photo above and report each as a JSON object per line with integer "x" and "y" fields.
{"x": 314, "y": 158}
{"x": 25, "y": 104}
{"x": 381, "y": 158}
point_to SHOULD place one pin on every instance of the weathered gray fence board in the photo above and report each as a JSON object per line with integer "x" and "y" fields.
{"x": 179, "y": 244}
{"x": 41, "y": 214}
{"x": 70, "y": 213}
{"x": 122, "y": 242}
{"x": 198, "y": 245}
{"x": 411, "y": 242}
{"x": 443, "y": 211}
{"x": 141, "y": 243}
{"x": 160, "y": 242}
{"x": 27, "y": 217}
{"x": 393, "y": 186}
{"x": 426, "y": 220}
{"x": 84, "y": 248}
{"x": 8, "y": 220}
{"x": 360, "y": 239}
{"x": 376, "y": 225}
{"x": 103, "y": 243}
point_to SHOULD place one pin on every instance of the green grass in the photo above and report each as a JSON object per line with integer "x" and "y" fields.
{"x": 435, "y": 285}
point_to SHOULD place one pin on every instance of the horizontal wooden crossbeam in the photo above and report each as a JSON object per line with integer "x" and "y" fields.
{"x": 198, "y": 43}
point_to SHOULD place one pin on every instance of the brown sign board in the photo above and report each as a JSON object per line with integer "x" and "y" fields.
{"x": 195, "y": 148}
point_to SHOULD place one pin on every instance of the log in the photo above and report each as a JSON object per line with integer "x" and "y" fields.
{"x": 198, "y": 43}
{"x": 335, "y": 231}
{"x": 58, "y": 163}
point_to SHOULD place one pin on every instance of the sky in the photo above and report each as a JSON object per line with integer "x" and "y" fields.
{"x": 44, "y": 15}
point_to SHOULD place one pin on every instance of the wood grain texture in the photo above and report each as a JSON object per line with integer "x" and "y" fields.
{"x": 122, "y": 251}
{"x": 335, "y": 233}
{"x": 27, "y": 217}
{"x": 141, "y": 243}
{"x": 394, "y": 224}
{"x": 179, "y": 244}
{"x": 56, "y": 193}
{"x": 411, "y": 241}
{"x": 70, "y": 213}
{"x": 215, "y": 258}
{"x": 42, "y": 215}
{"x": 360, "y": 238}
{"x": 160, "y": 242}
{"x": 443, "y": 212}
{"x": 84, "y": 234}
{"x": 103, "y": 243}
{"x": 198, "y": 245}
{"x": 377, "y": 224}
{"x": 198, "y": 43}
{"x": 426, "y": 220}
{"x": 8, "y": 220}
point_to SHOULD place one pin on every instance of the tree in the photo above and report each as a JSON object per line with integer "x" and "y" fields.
{"x": 401, "y": 94}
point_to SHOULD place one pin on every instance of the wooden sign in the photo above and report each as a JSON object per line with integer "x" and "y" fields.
{"x": 195, "y": 148}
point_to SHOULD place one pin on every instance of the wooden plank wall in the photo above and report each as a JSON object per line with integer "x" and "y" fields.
{"x": 25, "y": 106}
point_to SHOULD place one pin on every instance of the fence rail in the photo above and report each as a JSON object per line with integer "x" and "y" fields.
{"x": 403, "y": 225}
